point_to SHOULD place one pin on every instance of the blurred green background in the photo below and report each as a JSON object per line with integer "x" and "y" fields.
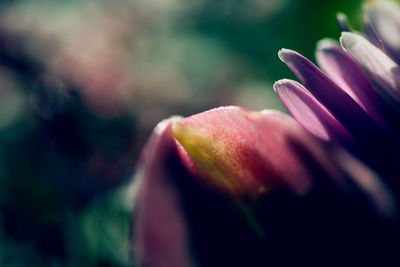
{"x": 82, "y": 84}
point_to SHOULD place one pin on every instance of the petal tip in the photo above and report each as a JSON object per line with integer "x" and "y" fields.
{"x": 367, "y": 5}
{"x": 349, "y": 39}
{"x": 341, "y": 15}
{"x": 343, "y": 22}
{"x": 280, "y": 84}
{"x": 284, "y": 54}
{"x": 283, "y": 85}
{"x": 160, "y": 127}
{"x": 326, "y": 44}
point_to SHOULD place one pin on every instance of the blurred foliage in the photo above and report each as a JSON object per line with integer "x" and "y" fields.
{"x": 82, "y": 83}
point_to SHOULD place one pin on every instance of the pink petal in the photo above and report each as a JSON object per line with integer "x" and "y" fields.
{"x": 160, "y": 229}
{"x": 244, "y": 152}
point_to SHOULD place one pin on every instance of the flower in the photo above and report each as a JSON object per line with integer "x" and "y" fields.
{"x": 354, "y": 100}
{"x": 232, "y": 187}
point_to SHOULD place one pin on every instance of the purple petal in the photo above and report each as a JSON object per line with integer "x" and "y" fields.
{"x": 347, "y": 74}
{"x": 367, "y": 180}
{"x": 382, "y": 71}
{"x": 334, "y": 98}
{"x": 160, "y": 229}
{"x": 384, "y": 18}
{"x": 371, "y": 33}
{"x": 310, "y": 113}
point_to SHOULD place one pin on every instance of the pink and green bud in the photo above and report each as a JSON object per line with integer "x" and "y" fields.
{"x": 235, "y": 151}
{"x": 234, "y": 185}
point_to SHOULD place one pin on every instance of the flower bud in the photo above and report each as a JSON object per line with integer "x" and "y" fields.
{"x": 231, "y": 187}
